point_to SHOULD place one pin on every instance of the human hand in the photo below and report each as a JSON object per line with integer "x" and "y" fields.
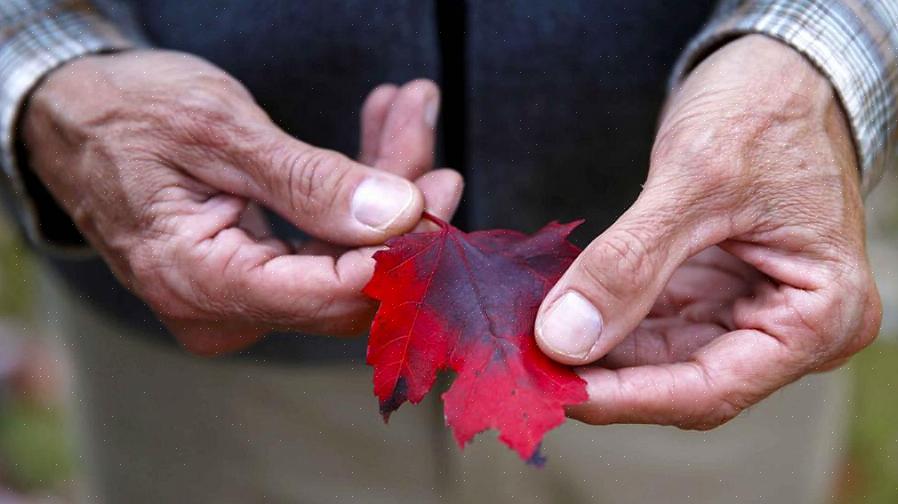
{"x": 160, "y": 157}
{"x": 740, "y": 268}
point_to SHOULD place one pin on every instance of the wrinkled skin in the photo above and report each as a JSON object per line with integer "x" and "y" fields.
{"x": 162, "y": 172}
{"x": 741, "y": 267}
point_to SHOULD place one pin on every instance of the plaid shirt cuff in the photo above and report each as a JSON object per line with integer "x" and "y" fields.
{"x": 36, "y": 37}
{"x": 853, "y": 42}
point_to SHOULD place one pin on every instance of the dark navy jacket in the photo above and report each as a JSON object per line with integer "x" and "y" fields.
{"x": 549, "y": 106}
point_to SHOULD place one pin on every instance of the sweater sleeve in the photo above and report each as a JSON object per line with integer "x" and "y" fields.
{"x": 37, "y": 36}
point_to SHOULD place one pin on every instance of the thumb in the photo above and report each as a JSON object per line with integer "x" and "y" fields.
{"x": 332, "y": 197}
{"x": 612, "y": 285}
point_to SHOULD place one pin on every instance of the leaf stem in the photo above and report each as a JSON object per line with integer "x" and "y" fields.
{"x": 436, "y": 220}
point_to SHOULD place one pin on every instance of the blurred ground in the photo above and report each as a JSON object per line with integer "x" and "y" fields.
{"x": 37, "y": 463}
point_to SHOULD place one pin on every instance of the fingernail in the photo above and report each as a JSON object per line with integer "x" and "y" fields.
{"x": 571, "y": 326}
{"x": 431, "y": 110}
{"x": 379, "y": 201}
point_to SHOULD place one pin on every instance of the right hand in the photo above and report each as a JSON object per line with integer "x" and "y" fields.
{"x": 159, "y": 158}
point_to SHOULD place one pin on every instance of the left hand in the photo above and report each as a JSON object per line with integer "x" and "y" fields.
{"x": 740, "y": 268}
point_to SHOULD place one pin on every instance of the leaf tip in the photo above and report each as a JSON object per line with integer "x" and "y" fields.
{"x": 395, "y": 399}
{"x": 537, "y": 459}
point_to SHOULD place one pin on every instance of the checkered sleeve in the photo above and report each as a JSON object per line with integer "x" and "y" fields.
{"x": 37, "y": 36}
{"x": 853, "y": 42}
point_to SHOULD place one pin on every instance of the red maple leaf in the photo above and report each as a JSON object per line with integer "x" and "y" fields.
{"x": 468, "y": 302}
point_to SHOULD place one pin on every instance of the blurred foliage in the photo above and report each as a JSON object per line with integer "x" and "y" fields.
{"x": 15, "y": 273}
{"x": 34, "y": 448}
{"x": 872, "y": 472}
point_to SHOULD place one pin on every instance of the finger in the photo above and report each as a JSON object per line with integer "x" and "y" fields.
{"x": 615, "y": 281}
{"x": 206, "y": 338}
{"x": 326, "y": 194}
{"x": 211, "y": 270}
{"x": 832, "y": 365}
{"x": 407, "y": 139}
{"x": 709, "y": 277}
{"x": 722, "y": 379}
{"x": 442, "y": 191}
{"x": 826, "y": 316}
{"x": 792, "y": 332}
{"x": 227, "y": 281}
{"x": 232, "y": 276}
{"x": 322, "y": 192}
{"x": 661, "y": 341}
{"x": 255, "y": 222}
{"x": 374, "y": 114}
{"x": 319, "y": 294}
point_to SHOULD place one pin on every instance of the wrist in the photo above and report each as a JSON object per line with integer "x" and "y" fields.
{"x": 80, "y": 86}
{"x": 38, "y": 152}
{"x": 758, "y": 73}
{"x": 785, "y": 85}
{"x": 758, "y": 85}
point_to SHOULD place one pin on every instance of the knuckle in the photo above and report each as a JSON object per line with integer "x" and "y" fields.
{"x": 144, "y": 266}
{"x": 208, "y": 339}
{"x": 717, "y": 413}
{"x": 619, "y": 263}
{"x": 871, "y": 321}
{"x": 843, "y": 318}
{"x": 198, "y": 346}
{"x": 203, "y": 119}
{"x": 727, "y": 409}
{"x": 155, "y": 278}
{"x": 716, "y": 406}
{"x": 146, "y": 275}
{"x": 312, "y": 177}
{"x": 201, "y": 108}
{"x": 696, "y": 153}
{"x": 702, "y": 157}
{"x": 217, "y": 281}
{"x": 83, "y": 217}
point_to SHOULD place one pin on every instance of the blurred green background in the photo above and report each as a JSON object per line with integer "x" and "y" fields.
{"x": 38, "y": 464}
